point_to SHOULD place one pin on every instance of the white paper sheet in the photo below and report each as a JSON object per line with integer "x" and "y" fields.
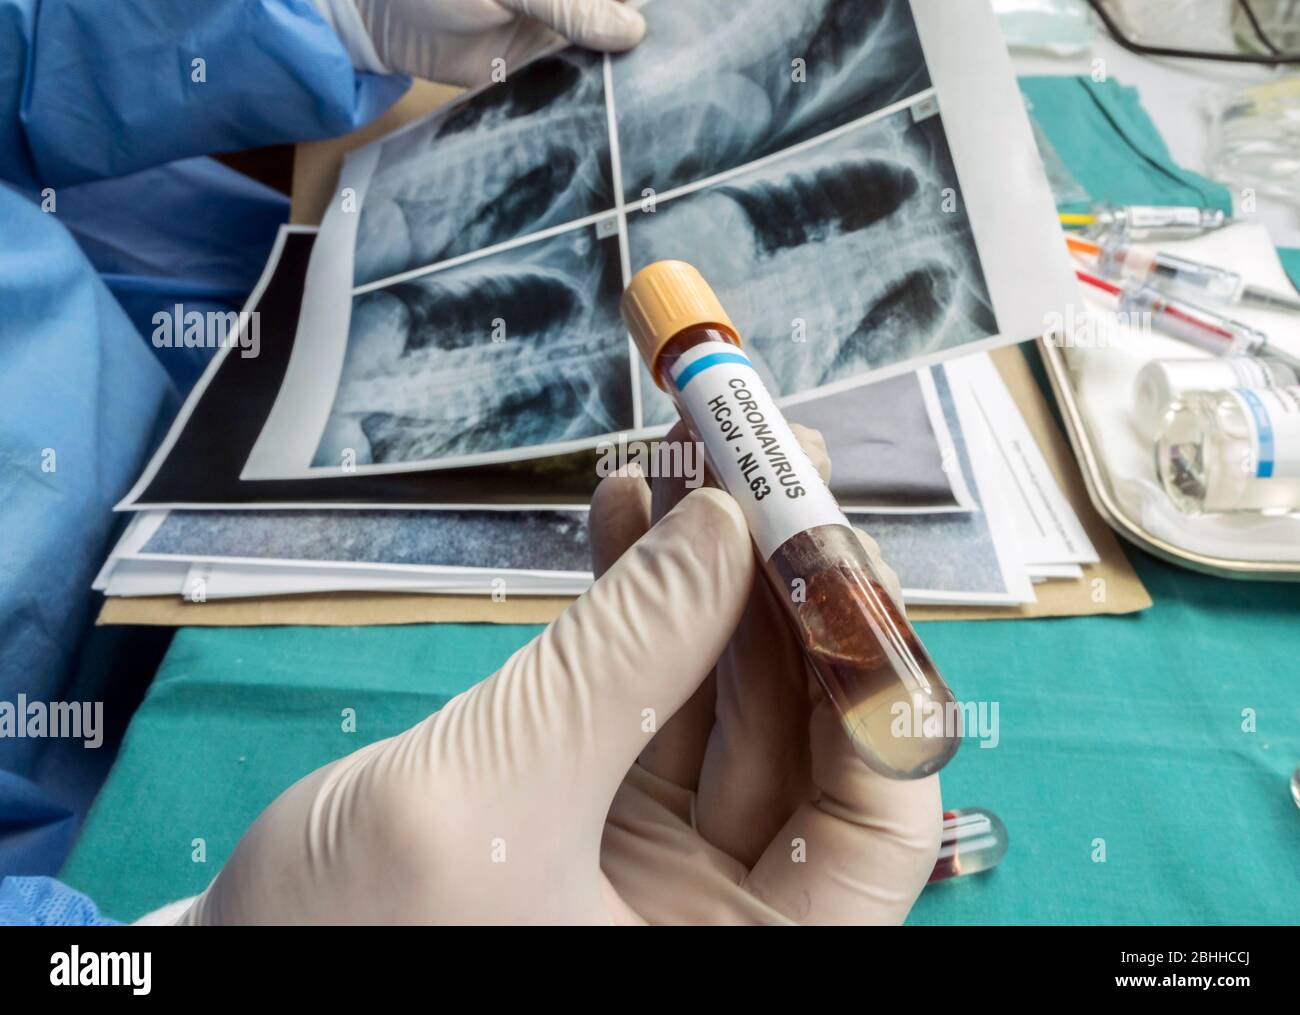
{"x": 146, "y": 578}
{"x": 989, "y": 478}
{"x": 1047, "y": 528}
{"x": 1052, "y": 572}
{"x": 215, "y": 580}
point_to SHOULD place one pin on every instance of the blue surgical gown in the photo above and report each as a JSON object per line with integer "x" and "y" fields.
{"x": 108, "y": 212}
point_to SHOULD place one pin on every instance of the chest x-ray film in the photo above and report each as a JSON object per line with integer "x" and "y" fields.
{"x": 896, "y": 458}
{"x": 857, "y": 179}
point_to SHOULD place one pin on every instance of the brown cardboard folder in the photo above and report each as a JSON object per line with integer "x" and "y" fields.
{"x": 1109, "y": 586}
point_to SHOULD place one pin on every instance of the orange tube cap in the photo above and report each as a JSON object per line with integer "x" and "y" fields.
{"x": 663, "y": 300}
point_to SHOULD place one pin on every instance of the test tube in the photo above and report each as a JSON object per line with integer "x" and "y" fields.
{"x": 895, "y": 707}
{"x": 974, "y": 840}
{"x": 1181, "y": 275}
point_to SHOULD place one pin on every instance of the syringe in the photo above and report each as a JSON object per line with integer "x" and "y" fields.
{"x": 1179, "y": 276}
{"x": 1148, "y": 221}
{"x": 1189, "y": 323}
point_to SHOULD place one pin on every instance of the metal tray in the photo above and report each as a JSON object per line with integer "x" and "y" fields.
{"x": 1099, "y": 492}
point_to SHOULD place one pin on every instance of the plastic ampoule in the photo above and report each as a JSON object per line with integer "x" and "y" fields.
{"x": 1187, "y": 322}
{"x": 1161, "y": 381}
{"x": 1155, "y": 221}
{"x": 1180, "y": 276}
{"x": 1230, "y": 451}
{"x": 974, "y": 840}
{"x": 895, "y": 707}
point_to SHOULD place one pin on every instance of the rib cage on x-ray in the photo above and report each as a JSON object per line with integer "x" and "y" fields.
{"x": 511, "y": 350}
{"x": 509, "y": 161}
{"x": 835, "y": 260}
{"x": 775, "y": 73}
{"x": 535, "y": 153}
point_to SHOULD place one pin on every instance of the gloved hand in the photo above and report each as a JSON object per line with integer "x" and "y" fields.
{"x": 456, "y": 41}
{"x": 523, "y": 800}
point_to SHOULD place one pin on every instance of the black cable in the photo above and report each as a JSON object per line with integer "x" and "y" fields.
{"x": 1273, "y": 59}
{"x": 1255, "y": 26}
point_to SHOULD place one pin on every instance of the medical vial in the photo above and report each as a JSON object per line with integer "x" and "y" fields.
{"x": 1233, "y": 450}
{"x": 1155, "y": 222}
{"x": 893, "y": 704}
{"x": 974, "y": 840}
{"x": 1162, "y": 381}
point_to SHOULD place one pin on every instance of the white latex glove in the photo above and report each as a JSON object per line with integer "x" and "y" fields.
{"x": 457, "y": 41}
{"x": 522, "y": 800}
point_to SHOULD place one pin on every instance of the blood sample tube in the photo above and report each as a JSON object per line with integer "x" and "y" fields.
{"x": 895, "y": 707}
{"x": 974, "y": 840}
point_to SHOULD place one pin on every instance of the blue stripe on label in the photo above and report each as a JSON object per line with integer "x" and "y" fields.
{"x": 1263, "y": 432}
{"x": 702, "y": 364}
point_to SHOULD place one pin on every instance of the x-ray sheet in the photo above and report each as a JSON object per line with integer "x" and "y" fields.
{"x": 941, "y": 558}
{"x": 856, "y": 178}
{"x": 890, "y": 443}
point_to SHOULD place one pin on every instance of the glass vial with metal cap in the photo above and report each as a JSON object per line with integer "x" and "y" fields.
{"x": 1232, "y": 450}
{"x": 895, "y": 707}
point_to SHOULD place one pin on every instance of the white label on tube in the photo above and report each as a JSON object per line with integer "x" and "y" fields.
{"x": 1160, "y": 217}
{"x": 1273, "y": 415}
{"x": 755, "y": 454}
